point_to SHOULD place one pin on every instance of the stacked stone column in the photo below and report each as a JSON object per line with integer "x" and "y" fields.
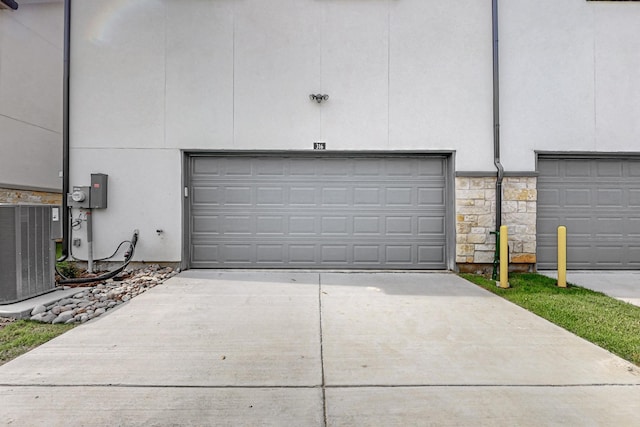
{"x": 475, "y": 220}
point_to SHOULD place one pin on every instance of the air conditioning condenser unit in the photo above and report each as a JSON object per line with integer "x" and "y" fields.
{"x": 27, "y": 250}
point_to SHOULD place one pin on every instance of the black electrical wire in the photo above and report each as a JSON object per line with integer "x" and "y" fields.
{"x": 75, "y": 225}
{"x": 101, "y": 259}
{"x": 127, "y": 259}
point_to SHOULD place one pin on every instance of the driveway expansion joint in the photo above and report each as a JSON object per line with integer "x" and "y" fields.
{"x": 324, "y": 390}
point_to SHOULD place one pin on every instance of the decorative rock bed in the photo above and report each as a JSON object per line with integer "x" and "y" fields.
{"x": 97, "y": 299}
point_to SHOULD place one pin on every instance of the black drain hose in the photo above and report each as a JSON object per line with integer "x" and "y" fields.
{"x": 127, "y": 259}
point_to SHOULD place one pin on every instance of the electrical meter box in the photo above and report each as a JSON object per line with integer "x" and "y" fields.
{"x": 79, "y": 198}
{"x": 92, "y": 197}
{"x": 98, "y": 196}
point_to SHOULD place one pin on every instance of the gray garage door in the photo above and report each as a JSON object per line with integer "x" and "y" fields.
{"x": 317, "y": 212}
{"x": 598, "y": 200}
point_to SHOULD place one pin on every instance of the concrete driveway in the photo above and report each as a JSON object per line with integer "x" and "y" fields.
{"x": 623, "y": 285}
{"x": 314, "y": 349}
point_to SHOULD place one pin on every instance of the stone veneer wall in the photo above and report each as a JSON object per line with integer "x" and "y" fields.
{"x": 29, "y": 197}
{"x": 475, "y": 220}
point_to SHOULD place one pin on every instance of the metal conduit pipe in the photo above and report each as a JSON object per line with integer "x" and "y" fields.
{"x": 496, "y": 115}
{"x": 65, "y": 131}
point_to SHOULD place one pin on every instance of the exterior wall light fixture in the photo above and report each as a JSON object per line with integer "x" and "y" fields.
{"x": 318, "y": 97}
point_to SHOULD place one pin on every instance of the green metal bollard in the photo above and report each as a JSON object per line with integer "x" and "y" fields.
{"x": 496, "y": 256}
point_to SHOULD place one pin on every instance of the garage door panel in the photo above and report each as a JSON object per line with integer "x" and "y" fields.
{"x": 334, "y": 167}
{"x": 634, "y": 226}
{"x": 334, "y": 254}
{"x": 433, "y": 169}
{"x": 610, "y": 197}
{"x": 270, "y": 196}
{"x": 547, "y": 226}
{"x": 335, "y": 196}
{"x": 399, "y": 196}
{"x": 270, "y": 253}
{"x": 597, "y": 200}
{"x": 205, "y": 252}
{"x": 577, "y": 198}
{"x": 269, "y": 168}
{"x": 302, "y": 196}
{"x": 237, "y": 253}
{"x": 366, "y": 254}
{"x": 548, "y": 196}
{"x": 357, "y": 212}
{"x": 208, "y": 166}
{"x": 634, "y": 256}
{"x": 367, "y": 168}
{"x": 609, "y": 169}
{"x": 237, "y": 196}
{"x": 549, "y": 169}
{"x": 580, "y": 254}
{"x": 366, "y": 196}
{"x": 337, "y": 225}
{"x": 399, "y": 254}
{"x": 577, "y": 168}
{"x": 430, "y": 196}
{"x": 580, "y": 226}
{"x": 302, "y": 254}
{"x": 270, "y": 225}
{"x": 610, "y": 254}
{"x": 430, "y": 225}
{"x": 634, "y": 198}
{"x": 301, "y": 168}
{"x": 427, "y": 253}
{"x": 302, "y": 225}
{"x": 367, "y": 225}
{"x": 206, "y": 224}
{"x": 206, "y": 195}
{"x": 237, "y": 224}
{"x": 399, "y": 168}
{"x": 399, "y": 225}
{"x": 235, "y": 168}
{"x": 608, "y": 227}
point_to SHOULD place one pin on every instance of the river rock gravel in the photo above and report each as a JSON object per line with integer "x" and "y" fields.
{"x": 98, "y": 299}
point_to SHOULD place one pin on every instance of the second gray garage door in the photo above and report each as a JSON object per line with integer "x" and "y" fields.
{"x": 598, "y": 200}
{"x": 317, "y": 212}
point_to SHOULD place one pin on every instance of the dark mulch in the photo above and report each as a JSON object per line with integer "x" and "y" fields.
{"x": 4, "y": 321}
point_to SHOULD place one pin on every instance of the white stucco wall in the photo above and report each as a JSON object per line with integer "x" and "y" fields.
{"x": 237, "y": 75}
{"x": 153, "y": 77}
{"x": 617, "y": 76}
{"x": 144, "y": 190}
{"x": 31, "y": 57}
{"x": 150, "y": 78}
{"x": 569, "y": 78}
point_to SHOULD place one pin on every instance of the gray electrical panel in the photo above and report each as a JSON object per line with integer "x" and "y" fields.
{"x": 27, "y": 250}
{"x": 98, "y": 196}
{"x": 92, "y": 197}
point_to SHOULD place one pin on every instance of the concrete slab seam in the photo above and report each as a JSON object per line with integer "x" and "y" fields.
{"x": 322, "y": 388}
{"x": 323, "y": 382}
{"x": 165, "y": 386}
{"x": 356, "y": 386}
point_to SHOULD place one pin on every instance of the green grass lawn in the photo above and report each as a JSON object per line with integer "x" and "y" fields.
{"x": 21, "y": 336}
{"x": 605, "y": 321}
